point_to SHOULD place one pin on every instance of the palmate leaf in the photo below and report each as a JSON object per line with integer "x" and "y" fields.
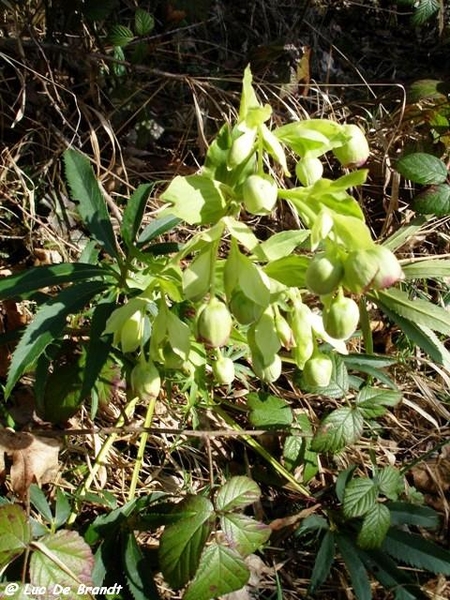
{"x": 416, "y": 551}
{"x": 47, "y": 326}
{"x": 182, "y": 543}
{"x": 355, "y": 567}
{"x": 221, "y": 571}
{"x": 85, "y": 189}
{"x": 37, "y": 278}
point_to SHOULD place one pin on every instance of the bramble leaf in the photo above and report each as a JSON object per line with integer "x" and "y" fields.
{"x": 221, "y": 571}
{"x": 359, "y": 497}
{"x": 374, "y": 527}
{"x": 243, "y": 533}
{"x": 422, "y": 168}
{"x": 238, "y": 492}
{"x": 268, "y": 411}
{"x": 16, "y": 533}
{"x": 340, "y": 428}
{"x": 182, "y": 543}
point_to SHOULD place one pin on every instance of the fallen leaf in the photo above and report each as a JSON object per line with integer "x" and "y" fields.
{"x": 34, "y": 458}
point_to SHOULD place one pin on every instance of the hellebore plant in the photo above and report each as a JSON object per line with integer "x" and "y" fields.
{"x": 224, "y": 302}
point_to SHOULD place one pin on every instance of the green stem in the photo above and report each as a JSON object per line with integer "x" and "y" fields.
{"x": 101, "y": 457}
{"x": 264, "y": 454}
{"x": 365, "y": 326}
{"x": 141, "y": 449}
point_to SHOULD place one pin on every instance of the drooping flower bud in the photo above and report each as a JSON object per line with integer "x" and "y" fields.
{"x": 309, "y": 170}
{"x": 267, "y": 372}
{"x": 371, "y": 268}
{"x": 318, "y": 370}
{"x": 127, "y": 324}
{"x": 244, "y": 309}
{"x": 355, "y": 152}
{"x": 260, "y": 194}
{"x": 324, "y": 274}
{"x": 145, "y": 380}
{"x": 301, "y": 325}
{"x": 223, "y": 369}
{"x": 341, "y": 318}
{"x": 214, "y": 323}
{"x": 284, "y": 332}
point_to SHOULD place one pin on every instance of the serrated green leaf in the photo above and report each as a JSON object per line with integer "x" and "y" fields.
{"x": 86, "y": 191}
{"x": 390, "y": 576}
{"x": 424, "y": 10}
{"x": 374, "y": 527}
{"x": 268, "y": 411}
{"x": 372, "y": 365}
{"x": 421, "y": 312}
{"x": 434, "y": 200}
{"x": 355, "y": 567}
{"x": 138, "y": 576}
{"x": 196, "y": 199}
{"x": 403, "y": 513}
{"x": 134, "y": 211}
{"x": 15, "y": 533}
{"x": 416, "y": 551}
{"x": 390, "y": 482}
{"x": 343, "y": 480}
{"x": 372, "y": 401}
{"x": 47, "y": 326}
{"x": 340, "y": 428}
{"x": 422, "y": 168}
{"x": 38, "y": 278}
{"x": 62, "y": 508}
{"x": 427, "y": 269}
{"x": 39, "y": 501}
{"x": 283, "y": 243}
{"x": 63, "y": 548}
{"x": 244, "y": 533}
{"x": 221, "y": 571}
{"x": 323, "y": 562}
{"x": 359, "y": 497}
{"x": 339, "y": 383}
{"x": 182, "y": 543}
{"x": 120, "y": 35}
{"x": 144, "y": 22}
{"x": 423, "y": 336}
{"x": 238, "y": 492}
{"x": 289, "y": 271}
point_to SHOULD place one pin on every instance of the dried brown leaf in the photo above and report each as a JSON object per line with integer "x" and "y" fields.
{"x": 34, "y": 458}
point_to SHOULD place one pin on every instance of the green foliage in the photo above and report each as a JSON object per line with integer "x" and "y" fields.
{"x": 426, "y": 169}
{"x": 225, "y": 304}
{"x": 423, "y": 10}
